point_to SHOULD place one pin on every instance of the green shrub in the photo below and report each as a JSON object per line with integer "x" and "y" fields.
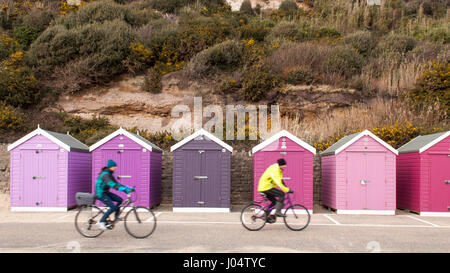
{"x": 10, "y": 118}
{"x": 103, "y": 11}
{"x": 18, "y": 87}
{"x": 255, "y": 31}
{"x": 395, "y": 44}
{"x": 170, "y": 6}
{"x": 246, "y": 7}
{"x": 152, "y": 82}
{"x": 257, "y": 82}
{"x": 327, "y": 32}
{"x": 362, "y": 41}
{"x": 88, "y": 131}
{"x": 344, "y": 61}
{"x": 289, "y": 7}
{"x": 226, "y": 55}
{"x": 25, "y": 35}
{"x": 287, "y": 30}
{"x": 433, "y": 86}
{"x": 102, "y": 46}
{"x": 300, "y": 76}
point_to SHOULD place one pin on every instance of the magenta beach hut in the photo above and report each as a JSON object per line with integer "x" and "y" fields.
{"x": 298, "y": 175}
{"x": 358, "y": 175}
{"x": 47, "y": 169}
{"x": 201, "y": 174}
{"x": 138, "y": 165}
{"x": 423, "y": 175}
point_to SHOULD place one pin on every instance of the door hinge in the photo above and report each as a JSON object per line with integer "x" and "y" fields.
{"x": 201, "y": 151}
{"x": 201, "y": 202}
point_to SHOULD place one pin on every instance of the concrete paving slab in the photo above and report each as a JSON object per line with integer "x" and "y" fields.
{"x": 376, "y": 220}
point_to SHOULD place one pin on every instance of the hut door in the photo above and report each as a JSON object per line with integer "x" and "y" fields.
{"x": 39, "y": 169}
{"x": 376, "y": 181}
{"x": 440, "y": 183}
{"x": 356, "y": 187}
{"x": 192, "y": 189}
{"x": 210, "y": 187}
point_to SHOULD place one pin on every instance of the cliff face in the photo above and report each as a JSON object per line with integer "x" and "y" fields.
{"x": 125, "y": 104}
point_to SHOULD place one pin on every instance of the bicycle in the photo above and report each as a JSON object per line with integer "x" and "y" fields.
{"x": 255, "y": 216}
{"x": 140, "y": 222}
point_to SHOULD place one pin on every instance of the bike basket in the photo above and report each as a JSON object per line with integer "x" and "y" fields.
{"x": 84, "y": 198}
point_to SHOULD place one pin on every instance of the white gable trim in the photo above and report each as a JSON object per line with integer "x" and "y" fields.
{"x": 39, "y": 131}
{"x": 432, "y": 143}
{"x": 124, "y": 132}
{"x": 366, "y": 133}
{"x": 284, "y": 133}
{"x": 202, "y": 132}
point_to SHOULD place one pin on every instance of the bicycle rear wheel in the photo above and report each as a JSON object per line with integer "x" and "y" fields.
{"x": 297, "y": 217}
{"x": 140, "y": 222}
{"x": 253, "y": 217}
{"x": 86, "y": 219}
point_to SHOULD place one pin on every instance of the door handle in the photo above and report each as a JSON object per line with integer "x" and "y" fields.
{"x": 200, "y": 177}
{"x": 286, "y": 178}
{"x": 201, "y": 202}
{"x": 124, "y": 176}
{"x": 447, "y": 181}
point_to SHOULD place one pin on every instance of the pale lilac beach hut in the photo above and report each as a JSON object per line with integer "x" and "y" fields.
{"x": 47, "y": 169}
{"x": 201, "y": 174}
{"x": 358, "y": 175}
{"x": 138, "y": 165}
{"x": 298, "y": 175}
{"x": 423, "y": 175}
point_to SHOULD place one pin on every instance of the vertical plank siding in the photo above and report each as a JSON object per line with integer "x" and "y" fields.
{"x": 79, "y": 175}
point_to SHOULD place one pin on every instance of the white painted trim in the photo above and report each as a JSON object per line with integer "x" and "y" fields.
{"x": 193, "y": 209}
{"x": 280, "y": 134}
{"x": 39, "y": 209}
{"x": 366, "y": 133}
{"x": 124, "y": 132}
{"x": 434, "y": 214}
{"x": 202, "y": 132}
{"x": 432, "y": 143}
{"x": 39, "y": 131}
{"x": 366, "y": 212}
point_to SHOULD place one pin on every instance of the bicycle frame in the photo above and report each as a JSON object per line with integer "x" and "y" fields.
{"x": 122, "y": 207}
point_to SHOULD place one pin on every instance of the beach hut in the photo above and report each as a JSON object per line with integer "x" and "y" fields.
{"x": 298, "y": 175}
{"x": 423, "y": 175}
{"x": 201, "y": 174}
{"x": 358, "y": 175}
{"x": 47, "y": 169}
{"x": 138, "y": 165}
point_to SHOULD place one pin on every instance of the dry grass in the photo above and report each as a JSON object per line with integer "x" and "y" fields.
{"x": 380, "y": 112}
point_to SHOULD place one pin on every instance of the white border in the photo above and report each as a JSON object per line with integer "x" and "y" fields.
{"x": 432, "y": 143}
{"x": 434, "y": 214}
{"x": 199, "y": 133}
{"x": 39, "y": 131}
{"x": 39, "y": 209}
{"x": 193, "y": 209}
{"x": 365, "y": 133}
{"x": 283, "y": 133}
{"x": 366, "y": 212}
{"x": 120, "y": 131}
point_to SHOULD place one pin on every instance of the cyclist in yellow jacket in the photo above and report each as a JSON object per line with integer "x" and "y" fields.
{"x": 268, "y": 182}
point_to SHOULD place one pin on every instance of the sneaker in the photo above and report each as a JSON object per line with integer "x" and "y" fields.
{"x": 101, "y": 225}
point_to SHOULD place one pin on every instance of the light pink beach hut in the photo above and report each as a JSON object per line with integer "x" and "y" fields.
{"x": 423, "y": 175}
{"x": 358, "y": 175}
{"x": 298, "y": 175}
{"x": 47, "y": 169}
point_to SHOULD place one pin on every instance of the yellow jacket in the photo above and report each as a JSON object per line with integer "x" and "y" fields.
{"x": 271, "y": 178}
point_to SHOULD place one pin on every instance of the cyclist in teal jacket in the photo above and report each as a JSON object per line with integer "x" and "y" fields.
{"x": 104, "y": 182}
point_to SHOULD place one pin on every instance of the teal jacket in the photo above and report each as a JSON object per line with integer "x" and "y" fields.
{"x": 106, "y": 181}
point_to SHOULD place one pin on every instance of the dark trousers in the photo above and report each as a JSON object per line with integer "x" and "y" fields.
{"x": 273, "y": 195}
{"x": 108, "y": 199}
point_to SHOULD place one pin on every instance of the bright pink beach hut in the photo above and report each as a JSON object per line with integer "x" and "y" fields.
{"x": 298, "y": 175}
{"x": 47, "y": 169}
{"x": 358, "y": 175}
{"x": 423, "y": 175}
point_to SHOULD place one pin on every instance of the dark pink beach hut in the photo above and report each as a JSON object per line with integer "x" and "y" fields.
{"x": 47, "y": 169}
{"x": 201, "y": 174}
{"x": 138, "y": 165}
{"x": 358, "y": 175}
{"x": 423, "y": 175}
{"x": 299, "y": 156}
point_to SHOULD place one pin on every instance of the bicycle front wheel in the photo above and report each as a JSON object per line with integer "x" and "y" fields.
{"x": 86, "y": 220}
{"x": 253, "y": 217}
{"x": 140, "y": 222}
{"x": 297, "y": 217}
